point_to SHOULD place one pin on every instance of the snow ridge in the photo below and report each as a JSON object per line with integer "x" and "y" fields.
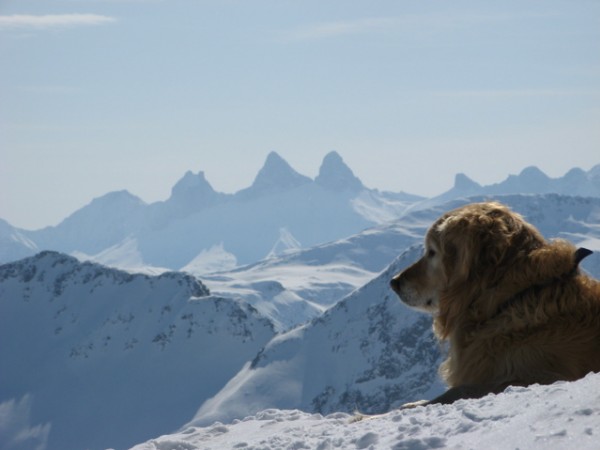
{"x": 561, "y": 416}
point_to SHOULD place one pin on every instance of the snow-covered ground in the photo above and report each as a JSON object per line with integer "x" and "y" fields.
{"x": 558, "y": 416}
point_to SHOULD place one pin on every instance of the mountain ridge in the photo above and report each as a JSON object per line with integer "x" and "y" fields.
{"x": 195, "y": 218}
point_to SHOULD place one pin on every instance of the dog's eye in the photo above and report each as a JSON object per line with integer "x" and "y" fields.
{"x": 430, "y": 253}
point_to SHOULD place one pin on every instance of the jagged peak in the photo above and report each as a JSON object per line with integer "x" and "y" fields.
{"x": 275, "y": 175}
{"x": 192, "y": 183}
{"x": 533, "y": 172}
{"x": 594, "y": 173}
{"x": 463, "y": 182}
{"x": 336, "y": 175}
{"x": 122, "y": 196}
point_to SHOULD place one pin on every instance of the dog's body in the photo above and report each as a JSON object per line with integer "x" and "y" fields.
{"x": 514, "y": 307}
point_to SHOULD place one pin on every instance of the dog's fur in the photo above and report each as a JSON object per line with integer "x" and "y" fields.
{"x": 514, "y": 307}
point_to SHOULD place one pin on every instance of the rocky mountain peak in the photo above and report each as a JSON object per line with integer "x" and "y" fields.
{"x": 464, "y": 183}
{"x": 275, "y": 175}
{"x": 192, "y": 185}
{"x": 334, "y": 174}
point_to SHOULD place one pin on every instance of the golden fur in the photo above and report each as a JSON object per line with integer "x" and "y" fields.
{"x": 514, "y": 307}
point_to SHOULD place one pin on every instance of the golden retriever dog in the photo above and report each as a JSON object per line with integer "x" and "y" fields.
{"x": 514, "y": 308}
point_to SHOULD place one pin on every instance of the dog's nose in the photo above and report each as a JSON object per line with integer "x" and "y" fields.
{"x": 395, "y": 283}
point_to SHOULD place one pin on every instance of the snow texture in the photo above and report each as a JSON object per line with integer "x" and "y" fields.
{"x": 558, "y": 416}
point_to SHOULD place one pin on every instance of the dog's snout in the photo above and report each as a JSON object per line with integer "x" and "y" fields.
{"x": 395, "y": 283}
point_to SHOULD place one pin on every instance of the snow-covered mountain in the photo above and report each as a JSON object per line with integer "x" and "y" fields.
{"x": 93, "y": 357}
{"x": 14, "y": 244}
{"x": 297, "y": 286}
{"x": 119, "y": 228}
{"x": 561, "y": 416}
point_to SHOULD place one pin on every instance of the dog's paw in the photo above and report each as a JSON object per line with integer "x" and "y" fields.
{"x": 412, "y": 405}
{"x": 357, "y": 417}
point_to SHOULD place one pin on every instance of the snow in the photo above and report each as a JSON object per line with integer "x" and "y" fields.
{"x": 558, "y": 416}
{"x": 286, "y": 243}
{"x": 215, "y": 259}
{"x": 125, "y": 256}
{"x": 86, "y": 349}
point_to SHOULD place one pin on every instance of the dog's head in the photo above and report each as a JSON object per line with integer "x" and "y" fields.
{"x": 467, "y": 250}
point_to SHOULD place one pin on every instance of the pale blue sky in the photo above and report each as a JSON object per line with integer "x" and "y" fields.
{"x": 102, "y": 95}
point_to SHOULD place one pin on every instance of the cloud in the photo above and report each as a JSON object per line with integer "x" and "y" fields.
{"x": 421, "y": 23}
{"x": 50, "y": 21}
{"x": 16, "y": 430}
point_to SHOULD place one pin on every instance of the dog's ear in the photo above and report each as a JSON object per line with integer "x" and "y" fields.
{"x": 479, "y": 242}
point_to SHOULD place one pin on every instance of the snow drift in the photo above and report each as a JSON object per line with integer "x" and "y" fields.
{"x": 561, "y": 416}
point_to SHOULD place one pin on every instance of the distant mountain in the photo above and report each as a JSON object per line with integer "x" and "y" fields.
{"x": 101, "y": 224}
{"x": 275, "y": 176}
{"x": 191, "y": 194}
{"x": 121, "y": 230}
{"x": 14, "y": 244}
{"x": 531, "y": 180}
{"x": 104, "y": 358}
{"x": 334, "y": 174}
{"x": 246, "y": 225}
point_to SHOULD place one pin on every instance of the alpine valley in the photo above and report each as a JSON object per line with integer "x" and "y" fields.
{"x": 131, "y": 320}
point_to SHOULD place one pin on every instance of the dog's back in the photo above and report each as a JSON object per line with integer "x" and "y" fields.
{"x": 550, "y": 333}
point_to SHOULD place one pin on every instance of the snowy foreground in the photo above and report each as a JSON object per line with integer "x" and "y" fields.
{"x": 559, "y": 416}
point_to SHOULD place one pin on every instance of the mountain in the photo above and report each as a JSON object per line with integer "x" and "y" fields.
{"x": 190, "y": 195}
{"x": 285, "y": 244}
{"x": 531, "y": 180}
{"x": 557, "y": 416}
{"x": 102, "y": 223}
{"x": 173, "y": 233}
{"x": 87, "y": 349}
{"x": 334, "y": 174}
{"x": 14, "y": 244}
{"x": 275, "y": 176}
{"x": 298, "y": 285}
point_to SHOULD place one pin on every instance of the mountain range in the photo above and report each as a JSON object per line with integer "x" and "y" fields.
{"x": 282, "y": 210}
